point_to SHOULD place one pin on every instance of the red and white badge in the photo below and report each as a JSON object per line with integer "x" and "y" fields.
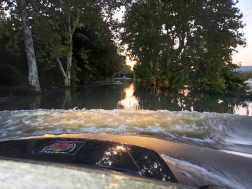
{"x": 60, "y": 147}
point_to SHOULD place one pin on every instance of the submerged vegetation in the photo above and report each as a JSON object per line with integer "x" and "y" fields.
{"x": 175, "y": 44}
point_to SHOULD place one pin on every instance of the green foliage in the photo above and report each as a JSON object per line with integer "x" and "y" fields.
{"x": 125, "y": 70}
{"x": 51, "y": 78}
{"x": 170, "y": 79}
{"x": 81, "y": 37}
{"x": 10, "y": 76}
{"x": 143, "y": 72}
{"x": 13, "y": 63}
{"x": 185, "y": 43}
{"x": 11, "y": 45}
{"x": 142, "y": 35}
{"x": 96, "y": 54}
{"x": 21, "y": 89}
{"x": 75, "y": 70}
{"x": 175, "y": 42}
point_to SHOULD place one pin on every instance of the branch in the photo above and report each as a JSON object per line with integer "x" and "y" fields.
{"x": 65, "y": 27}
{"x": 61, "y": 67}
{"x": 61, "y": 2}
{"x": 34, "y": 5}
{"x": 37, "y": 13}
{"x": 77, "y": 21}
{"x": 69, "y": 26}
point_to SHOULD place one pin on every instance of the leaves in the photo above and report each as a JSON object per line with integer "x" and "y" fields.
{"x": 82, "y": 37}
{"x": 185, "y": 42}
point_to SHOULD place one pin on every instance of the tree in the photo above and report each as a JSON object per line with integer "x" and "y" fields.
{"x": 18, "y": 10}
{"x": 11, "y": 45}
{"x": 185, "y": 42}
{"x": 90, "y": 57}
{"x": 141, "y": 34}
{"x": 95, "y": 53}
{"x": 63, "y": 18}
{"x": 210, "y": 46}
{"x": 69, "y": 28}
{"x": 59, "y": 20}
{"x": 12, "y": 55}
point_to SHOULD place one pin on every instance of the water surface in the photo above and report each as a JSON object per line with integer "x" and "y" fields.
{"x": 127, "y": 95}
{"x": 202, "y": 136}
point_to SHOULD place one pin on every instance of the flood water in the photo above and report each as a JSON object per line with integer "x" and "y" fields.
{"x": 124, "y": 94}
{"x": 211, "y": 134}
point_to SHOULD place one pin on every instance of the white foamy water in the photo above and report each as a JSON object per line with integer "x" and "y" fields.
{"x": 204, "y": 176}
{"x": 185, "y": 126}
{"x": 202, "y": 165}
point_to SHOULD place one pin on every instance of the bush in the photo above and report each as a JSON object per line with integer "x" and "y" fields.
{"x": 143, "y": 72}
{"x": 15, "y": 90}
{"x": 10, "y": 76}
{"x": 20, "y": 89}
{"x": 4, "y": 90}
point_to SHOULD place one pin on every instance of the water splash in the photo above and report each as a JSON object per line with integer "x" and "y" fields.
{"x": 184, "y": 126}
{"x": 200, "y": 175}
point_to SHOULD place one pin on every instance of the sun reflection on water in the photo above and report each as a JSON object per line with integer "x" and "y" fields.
{"x": 130, "y": 101}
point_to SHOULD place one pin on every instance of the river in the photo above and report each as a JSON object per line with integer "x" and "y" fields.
{"x": 199, "y": 134}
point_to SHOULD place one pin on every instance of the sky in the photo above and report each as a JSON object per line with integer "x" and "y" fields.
{"x": 244, "y": 55}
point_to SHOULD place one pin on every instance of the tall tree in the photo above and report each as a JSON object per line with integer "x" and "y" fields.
{"x": 22, "y": 8}
{"x": 141, "y": 33}
{"x": 63, "y": 18}
{"x": 215, "y": 35}
{"x": 59, "y": 20}
{"x": 188, "y": 41}
{"x": 95, "y": 52}
{"x": 70, "y": 26}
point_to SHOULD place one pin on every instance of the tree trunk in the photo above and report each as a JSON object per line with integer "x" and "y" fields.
{"x": 67, "y": 74}
{"x": 169, "y": 47}
{"x": 153, "y": 72}
{"x": 70, "y": 52}
{"x": 67, "y": 82}
{"x": 153, "y": 79}
{"x": 29, "y": 48}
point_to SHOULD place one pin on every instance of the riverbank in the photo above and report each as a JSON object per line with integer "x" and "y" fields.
{"x": 46, "y": 91}
{"x": 115, "y": 82}
{"x": 7, "y": 93}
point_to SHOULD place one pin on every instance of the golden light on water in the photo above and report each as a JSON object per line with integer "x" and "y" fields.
{"x": 185, "y": 92}
{"x": 130, "y": 101}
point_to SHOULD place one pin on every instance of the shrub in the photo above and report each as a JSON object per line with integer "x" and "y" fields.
{"x": 10, "y": 76}
{"x": 21, "y": 89}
